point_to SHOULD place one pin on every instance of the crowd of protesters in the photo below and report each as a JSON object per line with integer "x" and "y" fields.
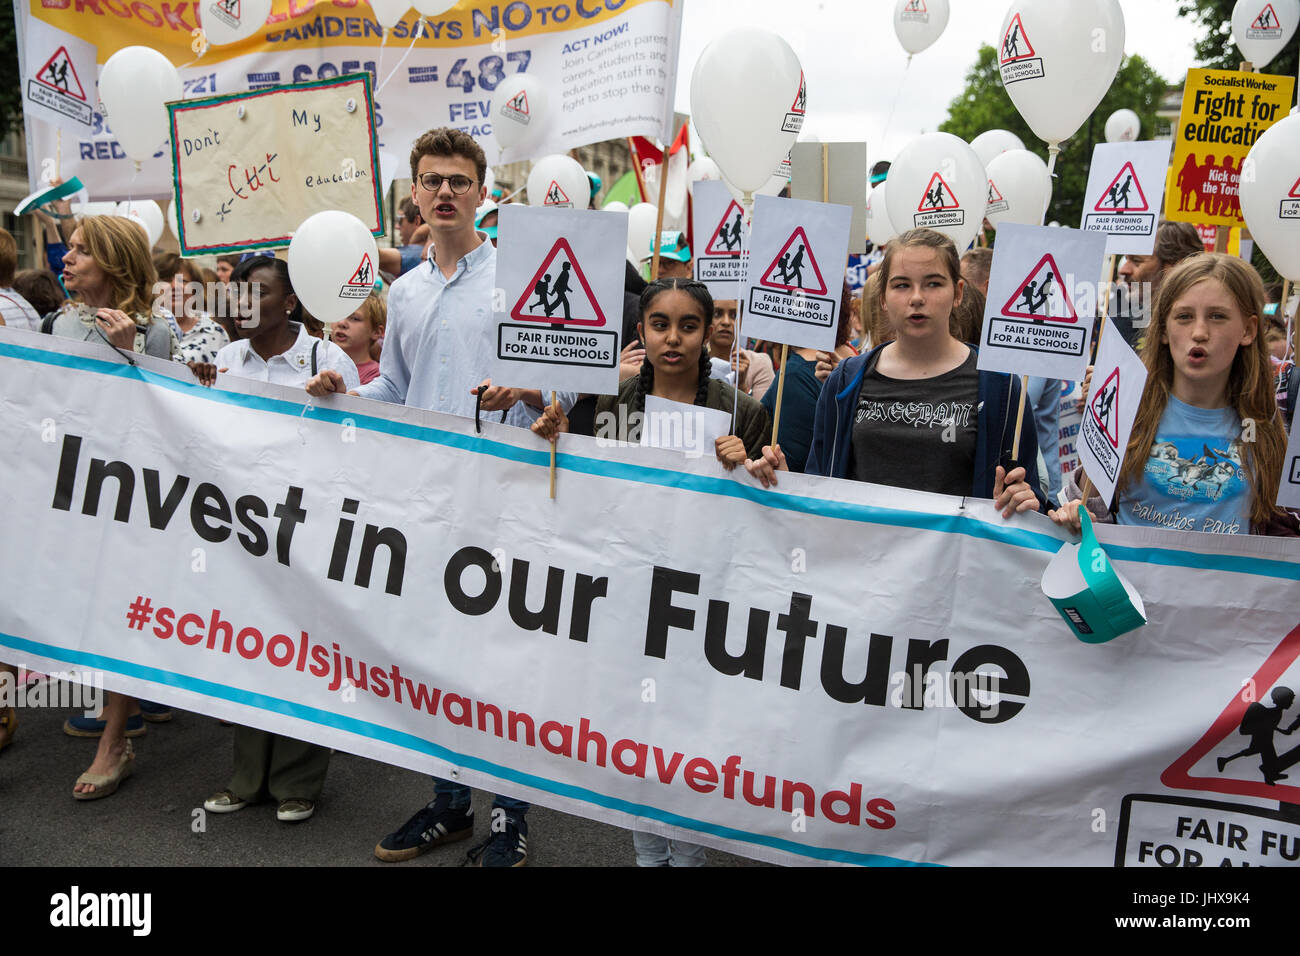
{"x": 1215, "y": 348}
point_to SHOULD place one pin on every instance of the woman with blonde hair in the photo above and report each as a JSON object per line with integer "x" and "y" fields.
{"x": 110, "y": 276}
{"x": 1189, "y": 463}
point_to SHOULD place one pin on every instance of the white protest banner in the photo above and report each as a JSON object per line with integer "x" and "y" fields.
{"x": 1125, "y": 194}
{"x": 689, "y": 428}
{"x": 610, "y": 69}
{"x": 1118, "y": 378}
{"x": 720, "y": 235}
{"x": 1288, "y": 492}
{"x": 559, "y": 311}
{"x": 607, "y": 654}
{"x": 1042, "y": 297}
{"x": 793, "y": 276}
{"x": 58, "y": 78}
{"x": 250, "y": 167}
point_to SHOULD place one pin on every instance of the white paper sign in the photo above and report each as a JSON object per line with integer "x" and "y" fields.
{"x": 718, "y": 225}
{"x": 681, "y": 427}
{"x": 794, "y": 276}
{"x": 559, "y": 313}
{"x": 60, "y": 79}
{"x": 1288, "y": 492}
{"x": 1042, "y": 297}
{"x": 1116, "y": 392}
{"x": 1126, "y": 186}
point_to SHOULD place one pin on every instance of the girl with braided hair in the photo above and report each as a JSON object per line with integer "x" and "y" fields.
{"x": 676, "y": 315}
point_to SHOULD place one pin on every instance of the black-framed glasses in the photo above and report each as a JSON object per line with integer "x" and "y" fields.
{"x": 459, "y": 184}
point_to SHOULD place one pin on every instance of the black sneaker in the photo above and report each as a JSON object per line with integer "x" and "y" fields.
{"x": 507, "y": 846}
{"x": 431, "y": 826}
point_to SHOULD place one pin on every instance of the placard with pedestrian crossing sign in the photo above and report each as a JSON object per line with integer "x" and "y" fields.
{"x": 1125, "y": 194}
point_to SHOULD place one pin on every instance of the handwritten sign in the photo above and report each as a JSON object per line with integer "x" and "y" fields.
{"x": 248, "y": 168}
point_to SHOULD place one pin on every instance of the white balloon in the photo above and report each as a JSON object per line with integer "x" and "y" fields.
{"x": 1057, "y": 61}
{"x": 992, "y": 143}
{"x": 134, "y": 85}
{"x": 1019, "y": 189}
{"x": 1261, "y": 28}
{"x": 490, "y": 181}
{"x": 1124, "y": 126}
{"x": 147, "y": 213}
{"x": 918, "y": 23}
{"x": 703, "y": 168}
{"x": 641, "y": 220}
{"x": 938, "y": 182}
{"x": 880, "y": 228}
{"x": 433, "y": 8}
{"x": 224, "y": 22}
{"x": 389, "y": 12}
{"x": 559, "y": 181}
{"x": 82, "y": 210}
{"x": 615, "y": 205}
{"x": 333, "y": 262}
{"x": 519, "y": 112}
{"x": 747, "y": 101}
{"x": 1270, "y": 195}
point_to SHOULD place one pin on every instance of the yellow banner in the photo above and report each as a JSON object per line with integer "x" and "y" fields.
{"x": 1224, "y": 113}
{"x": 174, "y": 29}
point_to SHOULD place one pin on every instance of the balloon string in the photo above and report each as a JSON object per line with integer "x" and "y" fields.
{"x": 383, "y": 48}
{"x": 897, "y": 96}
{"x": 1053, "y": 150}
{"x": 420, "y": 27}
{"x": 748, "y": 202}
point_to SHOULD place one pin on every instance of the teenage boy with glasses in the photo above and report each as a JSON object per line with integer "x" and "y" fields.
{"x": 437, "y": 344}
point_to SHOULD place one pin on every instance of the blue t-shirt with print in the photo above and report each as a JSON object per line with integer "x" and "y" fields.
{"x": 1193, "y": 479}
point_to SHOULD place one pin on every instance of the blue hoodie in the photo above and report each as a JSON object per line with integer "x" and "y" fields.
{"x": 999, "y": 396}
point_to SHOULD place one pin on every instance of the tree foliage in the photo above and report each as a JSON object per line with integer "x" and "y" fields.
{"x": 11, "y": 90}
{"x": 984, "y": 105}
{"x": 1215, "y": 49}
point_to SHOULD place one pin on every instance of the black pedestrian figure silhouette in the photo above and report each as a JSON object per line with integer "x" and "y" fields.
{"x": 1266, "y": 18}
{"x": 1105, "y": 405}
{"x": 800, "y": 99}
{"x": 782, "y": 272}
{"x": 934, "y": 197}
{"x": 363, "y": 273}
{"x": 1034, "y": 297}
{"x": 560, "y": 292}
{"x": 59, "y": 75}
{"x": 795, "y": 271}
{"x": 543, "y": 292}
{"x": 1259, "y": 723}
{"x": 1011, "y": 45}
{"x": 1122, "y": 198}
{"x": 230, "y": 6}
{"x": 730, "y": 234}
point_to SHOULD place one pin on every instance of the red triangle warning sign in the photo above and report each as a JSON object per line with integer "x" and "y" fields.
{"x": 1104, "y": 409}
{"x": 365, "y": 274}
{"x": 231, "y": 8}
{"x": 1015, "y": 43}
{"x": 1295, "y": 190}
{"x": 1042, "y": 297}
{"x": 726, "y": 238}
{"x": 550, "y": 296}
{"x": 915, "y": 6}
{"x": 1124, "y": 194}
{"x": 60, "y": 75}
{"x": 1267, "y": 20}
{"x": 518, "y": 103}
{"x": 995, "y": 195}
{"x": 1258, "y": 712}
{"x": 800, "y": 98}
{"x": 938, "y": 196}
{"x": 787, "y": 269}
{"x": 555, "y": 196}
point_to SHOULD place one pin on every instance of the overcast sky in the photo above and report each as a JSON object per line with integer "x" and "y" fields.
{"x": 854, "y": 65}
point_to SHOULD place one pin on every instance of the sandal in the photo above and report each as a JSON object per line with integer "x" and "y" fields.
{"x": 106, "y": 784}
{"x": 8, "y": 723}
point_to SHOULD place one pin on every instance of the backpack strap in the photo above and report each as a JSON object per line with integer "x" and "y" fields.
{"x": 47, "y": 323}
{"x": 314, "y": 346}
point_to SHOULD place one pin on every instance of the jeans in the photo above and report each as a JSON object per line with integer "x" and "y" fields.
{"x": 654, "y": 850}
{"x": 459, "y": 794}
